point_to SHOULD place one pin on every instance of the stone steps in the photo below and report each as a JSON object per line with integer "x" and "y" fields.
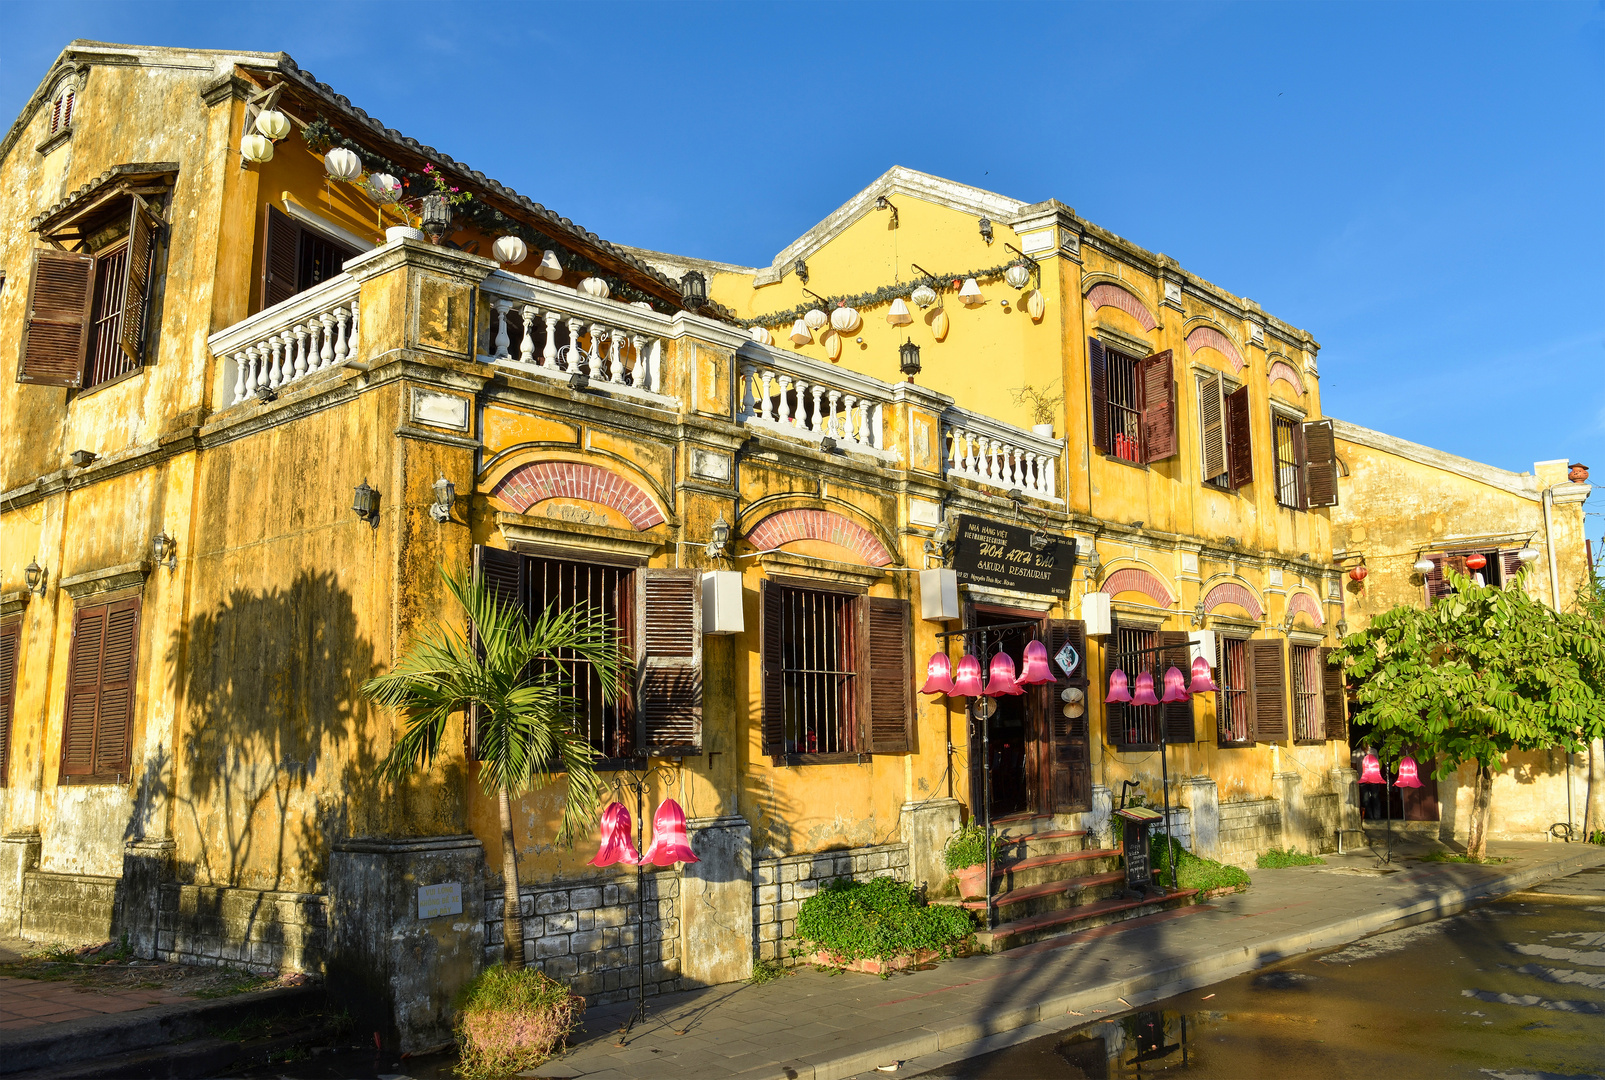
{"x": 1032, "y": 928}
{"x": 1014, "y": 874}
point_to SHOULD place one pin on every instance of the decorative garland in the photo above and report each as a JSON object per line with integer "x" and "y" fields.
{"x": 884, "y": 295}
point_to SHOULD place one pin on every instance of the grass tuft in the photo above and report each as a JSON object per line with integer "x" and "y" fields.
{"x": 1276, "y": 858}
{"x": 767, "y": 971}
{"x": 1449, "y": 856}
{"x": 1194, "y": 872}
{"x": 881, "y": 918}
{"x": 511, "y": 1019}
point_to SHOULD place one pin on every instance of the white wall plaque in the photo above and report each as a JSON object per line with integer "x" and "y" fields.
{"x": 435, "y": 901}
{"x": 440, "y": 410}
{"x": 924, "y": 512}
{"x": 708, "y": 465}
{"x": 1033, "y": 242}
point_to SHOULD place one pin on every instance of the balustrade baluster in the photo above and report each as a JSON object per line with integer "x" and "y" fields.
{"x": 274, "y": 371}
{"x": 342, "y": 350}
{"x": 498, "y": 322}
{"x": 326, "y": 354}
{"x": 615, "y": 358}
{"x": 351, "y": 338}
{"x": 849, "y": 417}
{"x": 300, "y": 333}
{"x": 1017, "y": 468}
{"x": 526, "y": 347}
{"x": 638, "y": 369}
{"x": 593, "y": 358}
{"x": 549, "y": 349}
{"x": 800, "y": 419}
{"x": 834, "y": 396}
{"x": 748, "y": 374}
{"x": 240, "y": 370}
{"x": 572, "y": 361}
{"x": 785, "y": 404}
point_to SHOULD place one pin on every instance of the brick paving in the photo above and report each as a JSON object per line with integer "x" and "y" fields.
{"x": 27, "y": 1003}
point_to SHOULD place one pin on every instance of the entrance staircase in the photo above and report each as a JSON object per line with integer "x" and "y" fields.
{"x": 1047, "y": 882}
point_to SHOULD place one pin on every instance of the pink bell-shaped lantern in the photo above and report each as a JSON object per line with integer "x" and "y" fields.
{"x": 967, "y": 683}
{"x": 1409, "y": 773}
{"x": 1002, "y": 683}
{"x": 1202, "y": 683}
{"x": 938, "y": 675}
{"x": 669, "y": 842}
{"x": 616, "y": 843}
{"x": 1036, "y": 668}
{"x": 1144, "y": 694}
{"x": 1119, "y": 691}
{"x": 1371, "y": 770}
{"x": 1175, "y": 687}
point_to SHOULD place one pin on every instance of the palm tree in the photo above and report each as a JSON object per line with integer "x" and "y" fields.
{"x": 521, "y": 679}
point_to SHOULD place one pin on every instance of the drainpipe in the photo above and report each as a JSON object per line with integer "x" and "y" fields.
{"x": 1554, "y": 602}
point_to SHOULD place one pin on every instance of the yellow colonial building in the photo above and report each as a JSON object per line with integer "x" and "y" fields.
{"x": 254, "y": 413}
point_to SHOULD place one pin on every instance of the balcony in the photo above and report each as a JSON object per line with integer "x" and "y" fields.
{"x": 312, "y": 331}
{"x": 790, "y": 395}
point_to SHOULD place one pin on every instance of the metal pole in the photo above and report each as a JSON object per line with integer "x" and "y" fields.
{"x": 1164, "y": 779}
{"x": 1387, "y": 808}
{"x": 986, "y": 785}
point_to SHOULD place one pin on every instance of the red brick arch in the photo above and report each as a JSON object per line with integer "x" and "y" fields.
{"x": 1141, "y": 581}
{"x": 1207, "y": 337}
{"x": 784, "y": 526}
{"x": 534, "y": 483}
{"x": 1281, "y": 369}
{"x": 1107, "y": 295}
{"x": 1229, "y": 592}
{"x": 1305, "y": 603}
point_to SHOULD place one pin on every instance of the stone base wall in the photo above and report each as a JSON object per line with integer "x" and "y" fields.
{"x": 74, "y": 909}
{"x": 588, "y": 933}
{"x": 207, "y": 924}
{"x": 1248, "y": 828}
{"x": 1323, "y": 814}
{"x": 783, "y": 884}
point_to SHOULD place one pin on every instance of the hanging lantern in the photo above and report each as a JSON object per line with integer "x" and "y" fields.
{"x": 1527, "y": 554}
{"x": 846, "y": 319}
{"x": 1409, "y": 773}
{"x": 342, "y": 164}
{"x": 1175, "y": 686}
{"x": 1119, "y": 691}
{"x": 1144, "y": 694}
{"x": 1371, "y": 770}
{"x": 1036, "y": 305}
{"x": 272, "y": 123}
{"x": 938, "y": 675}
{"x": 1017, "y": 275}
{"x": 762, "y": 335}
{"x": 550, "y": 268}
{"x": 908, "y": 359}
{"x": 434, "y": 216}
{"x": 939, "y": 324}
{"x": 970, "y": 294}
{"x": 1002, "y": 683}
{"x": 923, "y": 296}
{"x": 967, "y": 683}
{"x": 594, "y": 286}
{"x": 1476, "y": 561}
{"x": 670, "y": 844}
{"x": 815, "y": 318}
{"x": 1202, "y": 683}
{"x": 509, "y": 250}
{"x": 899, "y": 314}
{"x": 799, "y": 333}
{"x": 384, "y": 188}
{"x": 258, "y": 148}
{"x": 1359, "y": 572}
{"x": 833, "y": 345}
{"x": 1035, "y": 669}
{"x": 616, "y": 846}
{"x": 1425, "y": 565}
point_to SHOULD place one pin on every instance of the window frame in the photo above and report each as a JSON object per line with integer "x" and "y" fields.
{"x": 854, "y": 743}
{"x": 122, "y": 773}
{"x": 1128, "y": 411}
{"x": 1295, "y": 427}
{"x": 624, "y": 586}
{"x": 1305, "y": 693}
{"x": 10, "y": 643}
{"x": 1150, "y": 716}
{"x": 1222, "y": 481}
{"x": 1232, "y": 678}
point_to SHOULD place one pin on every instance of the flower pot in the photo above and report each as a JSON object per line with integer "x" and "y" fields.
{"x": 1577, "y": 474}
{"x": 972, "y": 880}
{"x": 402, "y": 232}
{"x": 1045, "y": 430}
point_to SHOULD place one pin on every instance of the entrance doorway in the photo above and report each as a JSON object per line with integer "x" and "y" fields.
{"x": 1012, "y": 728}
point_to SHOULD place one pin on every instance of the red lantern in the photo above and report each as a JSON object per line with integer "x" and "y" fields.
{"x": 616, "y": 845}
{"x": 1371, "y": 770}
{"x": 1359, "y": 572}
{"x": 1476, "y": 561}
{"x": 1002, "y": 681}
{"x": 1409, "y": 773}
{"x": 1036, "y": 669}
{"x": 669, "y": 842}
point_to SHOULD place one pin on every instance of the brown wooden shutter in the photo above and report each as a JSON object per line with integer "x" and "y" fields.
{"x": 1320, "y": 468}
{"x": 83, "y": 691}
{"x": 1267, "y": 689}
{"x": 142, "y": 229}
{"x": 10, "y": 640}
{"x": 1156, "y": 379}
{"x": 1239, "y": 439}
{"x": 772, "y": 631}
{"x": 1509, "y": 567}
{"x": 60, "y": 294}
{"x": 668, "y": 692}
{"x": 1114, "y": 712}
{"x": 280, "y": 258}
{"x": 1298, "y": 461}
{"x": 1212, "y": 422}
{"x": 1098, "y": 368}
{"x": 1332, "y": 696}
{"x": 115, "y": 720}
{"x": 506, "y": 574}
{"x": 891, "y": 707}
{"x": 1177, "y": 715}
{"x": 1072, "y": 773}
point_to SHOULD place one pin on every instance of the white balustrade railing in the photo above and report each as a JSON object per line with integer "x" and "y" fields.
{"x": 1000, "y": 455}
{"x": 311, "y": 331}
{"x": 554, "y": 330}
{"x": 792, "y": 395}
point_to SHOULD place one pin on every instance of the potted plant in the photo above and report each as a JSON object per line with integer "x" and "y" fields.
{"x": 426, "y": 214}
{"x": 1043, "y": 405}
{"x": 966, "y": 858}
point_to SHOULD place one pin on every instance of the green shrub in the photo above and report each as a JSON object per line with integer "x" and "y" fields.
{"x": 1205, "y": 875}
{"x": 1276, "y": 858}
{"x": 511, "y": 1019}
{"x": 879, "y": 919}
{"x": 967, "y": 847}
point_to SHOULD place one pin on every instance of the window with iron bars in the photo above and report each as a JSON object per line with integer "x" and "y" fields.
{"x": 1309, "y": 725}
{"x": 1285, "y": 432}
{"x": 819, "y": 669}
{"x": 1138, "y": 726}
{"x": 107, "y": 360}
{"x": 1125, "y": 419}
{"x": 610, "y": 591}
{"x": 1231, "y": 700}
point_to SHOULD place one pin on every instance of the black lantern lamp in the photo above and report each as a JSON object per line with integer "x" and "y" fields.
{"x": 164, "y": 550}
{"x": 908, "y": 356}
{"x": 445, "y": 498}
{"x": 718, "y": 545}
{"x": 365, "y": 503}
{"x": 435, "y": 216}
{"x": 693, "y": 290}
{"x": 986, "y": 229}
{"x": 801, "y": 269}
{"x": 35, "y": 576}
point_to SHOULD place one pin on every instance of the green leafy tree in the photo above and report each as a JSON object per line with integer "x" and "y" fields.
{"x": 520, "y": 677}
{"x": 1480, "y": 673}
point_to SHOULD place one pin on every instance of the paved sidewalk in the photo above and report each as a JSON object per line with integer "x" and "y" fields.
{"x": 818, "y": 1026}
{"x": 26, "y": 1003}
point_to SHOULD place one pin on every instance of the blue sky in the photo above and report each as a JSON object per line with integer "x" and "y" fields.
{"x": 1421, "y": 186}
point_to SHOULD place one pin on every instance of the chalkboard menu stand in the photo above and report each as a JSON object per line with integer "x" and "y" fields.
{"x": 1136, "y": 821}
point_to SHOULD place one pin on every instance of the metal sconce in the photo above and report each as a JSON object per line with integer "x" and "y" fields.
{"x": 435, "y": 217}
{"x": 365, "y": 502}
{"x": 801, "y": 269}
{"x": 986, "y": 229}
{"x": 716, "y": 547}
{"x": 1040, "y": 540}
{"x": 35, "y": 576}
{"x": 445, "y": 498}
{"x": 941, "y": 537}
{"x": 82, "y": 459}
{"x": 908, "y": 356}
{"x": 693, "y": 290}
{"x": 164, "y": 550}
{"x": 883, "y": 203}
{"x": 1342, "y": 628}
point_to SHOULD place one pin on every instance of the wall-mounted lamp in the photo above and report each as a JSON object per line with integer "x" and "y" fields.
{"x": 883, "y": 203}
{"x": 1342, "y": 628}
{"x": 828, "y": 444}
{"x": 693, "y": 290}
{"x": 1040, "y": 540}
{"x": 35, "y": 576}
{"x": 986, "y": 229}
{"x": 445, "y": 499}
{"x": 82, "y": 459}
{"x": 365, "y": 502}
{"x": 1092, "y": 561}
{"x": 717, "y": 546}
{"x": 164, "y": 550}
{"x": 801, "y": 270}
{"x": 908, "y": 358}
{"x": 579, "y": 380}
{"x": 265, "y": 393}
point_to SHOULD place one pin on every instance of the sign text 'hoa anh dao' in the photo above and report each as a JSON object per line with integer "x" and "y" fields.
{"x": 1001, "y": 556}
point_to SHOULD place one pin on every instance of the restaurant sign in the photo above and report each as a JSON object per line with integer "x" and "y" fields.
{"x": 999, "y": 556}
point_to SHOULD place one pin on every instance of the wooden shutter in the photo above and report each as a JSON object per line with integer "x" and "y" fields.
{"x": 773, "y": 647}
{"x": 891, "y": 708}
{"x": 83, "y": 691}
{"x": 1438, "y": 584}
{"x": 60, "y": 294}
{"x": 1239, "y": 442}
{"x": 1098, "y": 368}
{"x": 1332, "y": 696}
{"x": 1156, "y": 381}
{"x": 506, "y": 574}
{"x": 1177, "y": 716}
{"x": 280, "y": 258}
{"x": 1298, "y": 462}
{"x": 1072, "y": 772}
{"x": 10, "y": 638}
{"x": 668, "y": 691}
{"x": 1509, "y": 567}
{"x": 1320, "y": 468}
{"x": 1267, "y": 689}
{"x": 1114, "y": 712}
{"x": 142, "y": 229}
{"x": 1212, "y": 422}
{"x": 115, "y": 720}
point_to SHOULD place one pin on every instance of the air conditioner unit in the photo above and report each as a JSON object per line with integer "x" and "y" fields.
{"x": 1095, "y": 613}
{"x": 939, "y": 595}
{"x": 721, "y": 602}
